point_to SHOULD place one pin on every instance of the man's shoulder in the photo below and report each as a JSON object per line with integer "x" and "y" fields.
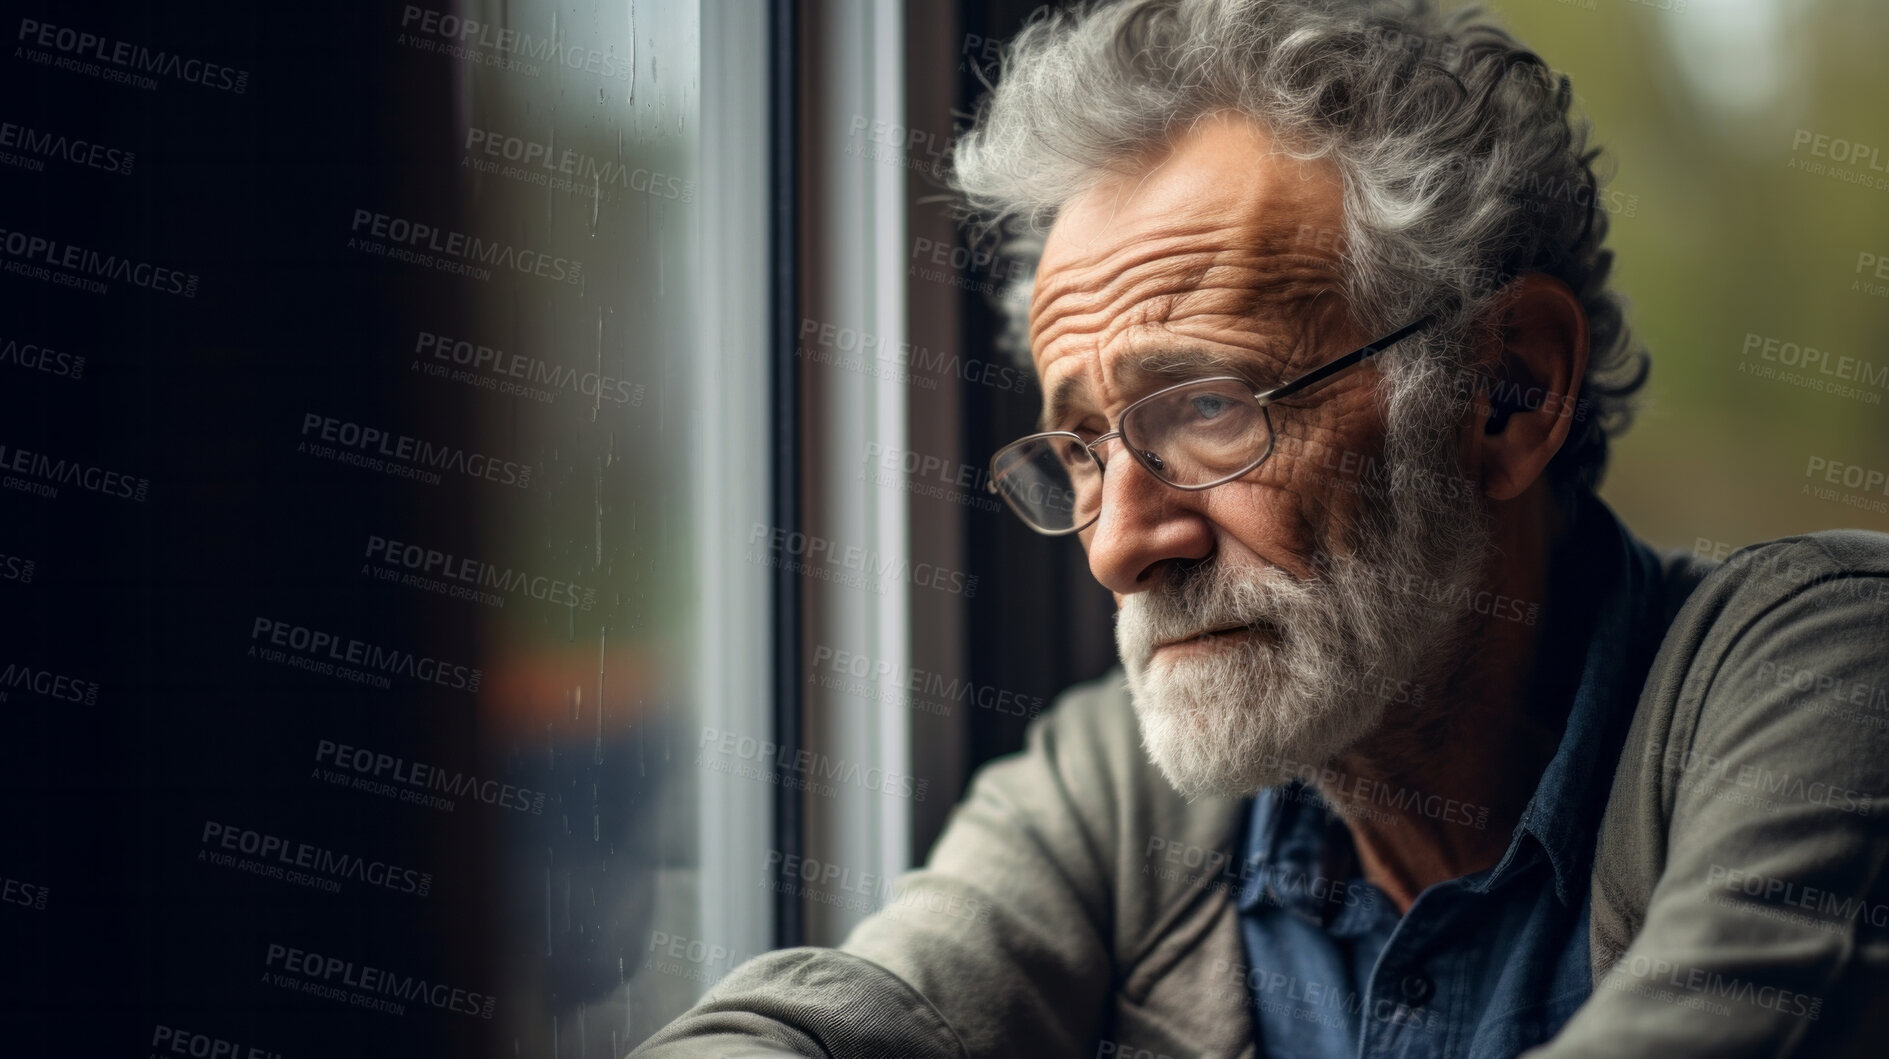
{"x": 1768, "y": 701}
{"x": 1763, "y": 574}
{"x": 1803, "y": 606}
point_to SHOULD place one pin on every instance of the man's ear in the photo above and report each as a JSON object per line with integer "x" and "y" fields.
{"x": 1538, "y": 369}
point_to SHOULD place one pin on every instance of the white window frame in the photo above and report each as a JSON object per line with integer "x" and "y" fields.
{"x": 732, "y": 436}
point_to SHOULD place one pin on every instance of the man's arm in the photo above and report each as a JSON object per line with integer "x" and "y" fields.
{"x": 1001, "y": 945}
{"x": 1741, "y": 863}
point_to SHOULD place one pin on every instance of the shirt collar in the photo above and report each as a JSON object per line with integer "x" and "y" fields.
{"x": 1300, "y": 858}
{"x": 1610, "y": 580}
{"x": 1625, "y": 628}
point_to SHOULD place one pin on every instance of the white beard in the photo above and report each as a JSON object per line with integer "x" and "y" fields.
{"x": 1331, "y": 655}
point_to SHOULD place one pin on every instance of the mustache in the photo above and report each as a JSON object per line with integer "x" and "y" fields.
{"x": 1210, "y": 597}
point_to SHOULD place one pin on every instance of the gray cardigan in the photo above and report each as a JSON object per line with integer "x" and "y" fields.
{"x": 1739, "y": 901}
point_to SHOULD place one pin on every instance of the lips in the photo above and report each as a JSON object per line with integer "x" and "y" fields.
{"x": 1204, "y": 637}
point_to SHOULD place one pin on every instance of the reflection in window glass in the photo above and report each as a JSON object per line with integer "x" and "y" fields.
{"x": 615, "y": 916}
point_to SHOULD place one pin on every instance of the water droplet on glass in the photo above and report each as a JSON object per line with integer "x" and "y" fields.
{"x": 596, "y": 399}
{"x": 630, "y": 85}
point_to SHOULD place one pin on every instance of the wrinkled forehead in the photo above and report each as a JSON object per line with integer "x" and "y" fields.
{"x": 1218, "y": 220}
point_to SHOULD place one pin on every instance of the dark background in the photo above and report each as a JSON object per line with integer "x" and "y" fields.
{"x": 154, "y": 600}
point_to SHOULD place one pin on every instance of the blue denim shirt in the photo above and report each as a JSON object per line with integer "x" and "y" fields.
{"x": 1492, "y": 963}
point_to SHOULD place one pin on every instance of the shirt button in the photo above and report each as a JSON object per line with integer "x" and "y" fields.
{"x": 1417, "y": 989}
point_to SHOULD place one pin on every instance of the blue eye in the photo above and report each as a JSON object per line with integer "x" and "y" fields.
{"x": 1210, "y": 405}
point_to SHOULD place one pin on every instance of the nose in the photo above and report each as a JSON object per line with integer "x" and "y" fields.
{"x": 1144, "y": 523}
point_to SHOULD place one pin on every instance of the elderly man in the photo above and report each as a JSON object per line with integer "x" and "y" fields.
{"x": 1418, "y": 751}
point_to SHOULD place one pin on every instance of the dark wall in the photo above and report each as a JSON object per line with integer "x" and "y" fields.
{"x": 197, "y": 330}
{"x": 1043, "y": 623}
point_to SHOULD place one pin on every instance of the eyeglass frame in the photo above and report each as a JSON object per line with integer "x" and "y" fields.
{"x": 1264, "y": 398}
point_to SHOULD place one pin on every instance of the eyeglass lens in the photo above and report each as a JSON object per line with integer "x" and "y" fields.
{"x": 1187, "y": 436}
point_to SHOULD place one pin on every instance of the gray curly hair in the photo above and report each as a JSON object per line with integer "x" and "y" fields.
{"x": 1462, "y": 166}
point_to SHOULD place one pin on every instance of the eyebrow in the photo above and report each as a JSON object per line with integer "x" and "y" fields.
{"x": 1164, "y": 365}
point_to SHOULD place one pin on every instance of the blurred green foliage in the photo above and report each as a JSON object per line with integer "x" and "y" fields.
{"x": 1708, "y": 111}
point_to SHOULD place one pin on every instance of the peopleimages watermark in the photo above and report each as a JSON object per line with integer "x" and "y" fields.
{"x": 680, "y": 956}
{"x": 1748, "y": 783}
{"x": 375, "y": 449}
{"x": 1350, "y": 794}
{"x": 982, "y": 53}
{"x": 1812, "y": 368}
{"x": 825, "y": 343}
{"x": 542, "y": 165}
{"x": 1845, "y": 160}
{"x": 172, "y": 1040}
{"x": 303, "y": 863}
{"x": 1538, "y": 189}
{"x": 1658, "y": 979}
{"x": 1219, "y": 868}
{"x": 121, "y": 61}
{"x": 762, "y": 759}
{"x": 1840, "y": 697}
{"x": 82, "y": 268}
{"x": 1812, "y": 681}
{"x": 31, "y": 356}
{"x": 1451, "y": 598}
{"x": 406, "y": 780}
{"x": 978, "y": 269}
{"x": 502, "y": 48}
{"x": 1877, "y": 266}
{"x": 364, "y": 985}
{"x": 856, "y": 567}
{"x": 17, "y": 568}
{"x": 1367, "y": 474}
{"x": 889, "y": 143}
{"x": 1337, "y": 1006}
{"x": 465, "y": 578}
{"x": 923, "y": 474}
{"x": 32, "y": 472}
{"x": 1446, "y": 51}
{"x": 23, "y": 894}
{"x": 910, "y": 682}
{"x": 863, "y": 892}
{"x": 1851, "y": 476}
{"x": 47, "y": 683}
{"x": 423, "y": 244}
{"x": 1112, "y": 1049}
{"x": 1793, "y": 901}
{"x": 35, "y": 146}
{"x": 346, "y": 658}
{"x": 516, "y": 373}
{"x": 1780, "y": 565}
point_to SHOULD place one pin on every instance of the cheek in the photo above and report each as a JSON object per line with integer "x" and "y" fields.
{"x": 1332, "y": 462}
{"x": 1269, "y": 520}
{"x": 1298, "y": 506}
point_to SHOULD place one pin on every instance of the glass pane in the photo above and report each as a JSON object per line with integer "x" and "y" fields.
{"x": 410, "y": 435}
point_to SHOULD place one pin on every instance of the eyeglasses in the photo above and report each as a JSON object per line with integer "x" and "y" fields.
{"x": 1192, "y": 436}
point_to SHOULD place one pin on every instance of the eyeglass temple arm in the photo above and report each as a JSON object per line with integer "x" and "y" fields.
{"x": 1320, "y": 374}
